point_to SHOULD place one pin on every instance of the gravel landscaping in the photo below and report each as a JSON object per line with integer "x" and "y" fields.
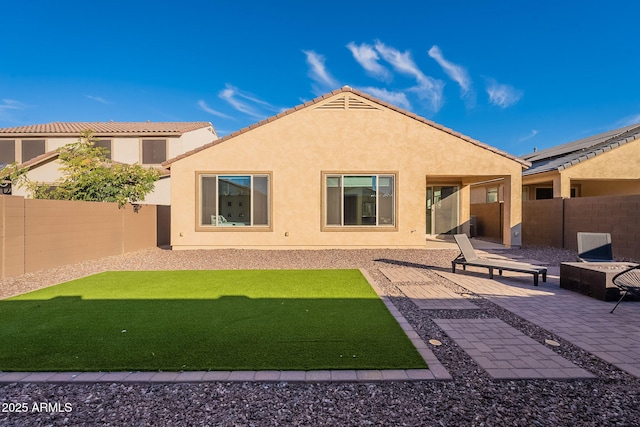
{"x": 472, "y": 398}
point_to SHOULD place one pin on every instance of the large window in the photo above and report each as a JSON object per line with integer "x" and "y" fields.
{"x": 154, "y": 151}
{"x": 360, "y": 200}
{"x": 234, "y": 200}
{"x": 32, "y": 148}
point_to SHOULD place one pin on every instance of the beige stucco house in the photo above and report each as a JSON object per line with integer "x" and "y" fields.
{"x": 343, "y": 170}
{"x": 147, "y": 143}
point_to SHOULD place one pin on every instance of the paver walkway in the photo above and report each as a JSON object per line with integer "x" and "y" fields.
{"x": 406, "y": 274}
{"x": 579, "y": 319}
{"x": 501, "y": 350}
{"x": 506, "y": 353}
{"x": 417, "y": 285}
{"x": 436, "y": 297}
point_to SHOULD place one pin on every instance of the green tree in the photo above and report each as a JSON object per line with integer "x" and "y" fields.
{"x": 13, "y": 174}
{"x": 87, "y": 174}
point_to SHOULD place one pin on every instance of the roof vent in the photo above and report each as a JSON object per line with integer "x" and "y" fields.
{"x": 335, "y": 104}
{"x": 347, "y": 102}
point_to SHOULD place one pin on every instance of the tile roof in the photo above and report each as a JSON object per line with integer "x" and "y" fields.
{"x": 42, "y": 158}
{"x": 105, "y": 128}
{"x": 566, "y": 155}
{"x": 347, "y": 89}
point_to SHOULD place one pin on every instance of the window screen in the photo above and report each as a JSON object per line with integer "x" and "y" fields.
{"x": 32, "y": 148}
{"x": 154, "y": 151}
{"x": 105, "y": 143}
{"x": 7, "y": 151}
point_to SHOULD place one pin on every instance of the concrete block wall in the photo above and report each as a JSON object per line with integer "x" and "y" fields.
{"x": 618, "y": 215}
{"x": 556, "y": 222}
{"x": 542, "y": 223}
{"x": 489, "y": 219}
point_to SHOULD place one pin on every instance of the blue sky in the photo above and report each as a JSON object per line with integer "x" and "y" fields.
{"x": 512, "y": 74}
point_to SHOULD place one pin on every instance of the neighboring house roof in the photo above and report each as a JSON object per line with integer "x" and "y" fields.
{"x": 347, "y": 89}
{"x": 38, "y": 160}
{"x": 564, "y": 156}
{"x": 105, "y": 128}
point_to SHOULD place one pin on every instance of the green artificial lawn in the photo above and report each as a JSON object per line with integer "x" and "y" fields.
{"x": 204, "y": 320}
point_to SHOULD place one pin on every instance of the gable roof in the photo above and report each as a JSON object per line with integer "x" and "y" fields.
{"x": 105, "y": 128}
{"x": 354, "y": 104}
{"x": 566, "y": 155}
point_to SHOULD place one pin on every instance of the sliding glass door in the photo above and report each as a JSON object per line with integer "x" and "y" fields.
{"x": 443, "y": 209}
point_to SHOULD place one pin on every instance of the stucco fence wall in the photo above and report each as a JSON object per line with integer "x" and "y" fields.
{"x": 556, "y": 222}
{"x": 40, "y": 234}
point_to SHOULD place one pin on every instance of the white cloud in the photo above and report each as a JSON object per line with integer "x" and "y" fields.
{"x": 502, "y": 95}
{"x": 455, "y": 72}
{"x": 247, "y": 103}
{"x": 230, "y": 94}
{"x": 97, "y": 99}
{"x": 368, "y": 58}
{"x": 204, "y": 107}
{"x": 318, "y": 72}
{"x": 7, "y": 107}
{"x": 10, "y": 104}
{"x": 393, "y": 97}
{"x": 628, "y": 121}
{"x": 431, "y": 90}
{"x": 427, "y": 87}
{"x": 531, "y": 134}
{"x": 401, "y": 61}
